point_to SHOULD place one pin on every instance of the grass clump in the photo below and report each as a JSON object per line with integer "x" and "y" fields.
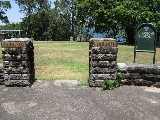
{"x": 112, "y": 84}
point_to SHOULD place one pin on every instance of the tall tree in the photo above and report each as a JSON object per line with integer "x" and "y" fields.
{"x": 4, "y": 5}
{"x": 99, "y": 15}
{"x": 119, "y": 14}
{"x": 38, "y": 24}
{"x": 67, "y": 10}
{"x": 47, "y": 25}
{"x": 30, "y": 7}
{"x": 59, "y": 27}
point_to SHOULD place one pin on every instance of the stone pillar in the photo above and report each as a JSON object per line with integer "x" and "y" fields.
{"x": 18, "y": 61}
{"x": 102, "y": 60}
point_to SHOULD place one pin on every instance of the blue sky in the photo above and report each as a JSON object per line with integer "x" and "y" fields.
{"x": 14, "y": 15}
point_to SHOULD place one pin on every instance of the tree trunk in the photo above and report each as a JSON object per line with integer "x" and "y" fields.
{"x": 130, "y": 35}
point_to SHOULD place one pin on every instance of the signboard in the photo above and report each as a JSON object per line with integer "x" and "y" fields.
{"x": 100, "y": 43}
{"x": 145, "y": 39}
{"x": 103, "y": 42}
{"x": 13, "y": 44}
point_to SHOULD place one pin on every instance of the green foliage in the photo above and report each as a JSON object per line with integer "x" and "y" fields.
{"x": 12, "y": 26}
{"x": 38, "y": 25}
{"x": 67, "y": 13}
{"x": 4, "y": 5}
{"x": 32, "y": 6}
{"x": 112, "y": 84}
{"x": 76, "y": 17}
{"x": 119, "y": 76}
{"x": 36, "y": 21}
{"x": 47, "y": 25}
{"x": 43, "y": 23}
{"x": 112, "y": 16}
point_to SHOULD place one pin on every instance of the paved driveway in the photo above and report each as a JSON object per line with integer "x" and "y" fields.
{"x": 56, "y": 100}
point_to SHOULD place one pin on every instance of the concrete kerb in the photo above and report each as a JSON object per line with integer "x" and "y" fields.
{"x": 59, "y": 83}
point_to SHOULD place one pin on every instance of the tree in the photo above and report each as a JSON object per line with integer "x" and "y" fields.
{"x": 38, "y": 24}
{"x": 67, "y": 10}
{"x": 4, "y": 5}
{"x": 47, "y": 25}
{"x": 99, "y": 15}
{"x": 30, "y": 7}
{"x": 12, "y": 26}
{"x": 59, "y": 27}
{"x": 43, "y": 23}
{"x": 113, "y": 15}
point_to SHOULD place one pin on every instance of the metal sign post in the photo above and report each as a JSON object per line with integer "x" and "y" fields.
{"x": 145, "y": 40}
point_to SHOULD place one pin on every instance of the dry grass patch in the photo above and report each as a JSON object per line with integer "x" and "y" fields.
{"x": 126, "y": 55}
{"x": 61, "y": 60}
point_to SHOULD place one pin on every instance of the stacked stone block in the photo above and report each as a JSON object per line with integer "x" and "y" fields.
{"x": 102, "y": 60}
{"x": 18, "y": 61}
{"x": 140, "y": 74}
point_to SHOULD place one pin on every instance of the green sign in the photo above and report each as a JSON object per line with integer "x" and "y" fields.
{"x": 145, "y": 39}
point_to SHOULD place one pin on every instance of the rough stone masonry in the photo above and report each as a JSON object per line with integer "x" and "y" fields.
{"x": 1, "y": 74}
{"x": 140, "y": 74}
{"x": 18, "y": 61}
{"x": 102, "y": 60}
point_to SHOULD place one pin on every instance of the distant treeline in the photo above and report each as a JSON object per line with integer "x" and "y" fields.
{"x": 76, "y": 17}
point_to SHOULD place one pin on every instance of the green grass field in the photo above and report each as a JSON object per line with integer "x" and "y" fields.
{"x": 69, "y": 60}
{"x": 61, "y": 60}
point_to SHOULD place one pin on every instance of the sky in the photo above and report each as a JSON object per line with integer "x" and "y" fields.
{"x": 14, "y": 15}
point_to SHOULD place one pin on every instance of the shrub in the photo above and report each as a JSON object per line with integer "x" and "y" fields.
{"x": 112, "y": 84}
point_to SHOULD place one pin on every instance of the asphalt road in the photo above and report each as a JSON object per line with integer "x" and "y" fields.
{"x": 56, "y": 100}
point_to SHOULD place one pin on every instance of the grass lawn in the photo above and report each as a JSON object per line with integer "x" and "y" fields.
{"x": 69, "y": 60}
{"x": 126, "y": 55}
{"x": 61, "y": 60}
